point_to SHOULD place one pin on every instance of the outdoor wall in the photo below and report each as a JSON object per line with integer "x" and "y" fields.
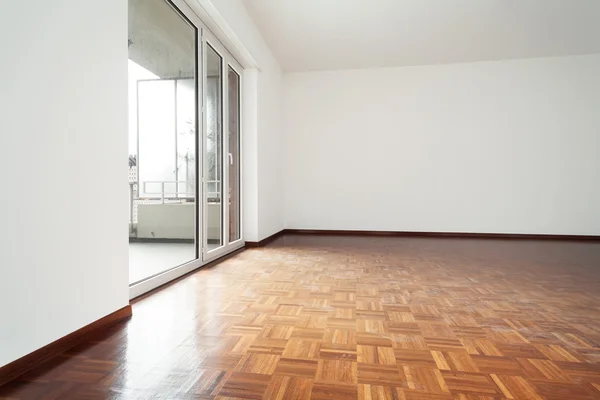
{"x": 262, "y": 141}
{"x": 497, "y": 147}
{"x": 63, "y": 169}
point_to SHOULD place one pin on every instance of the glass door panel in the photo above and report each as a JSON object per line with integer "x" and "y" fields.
{"x": 233, "y": 159}
{"x": 162, "y": 139}
{"x": 214, "y": 150}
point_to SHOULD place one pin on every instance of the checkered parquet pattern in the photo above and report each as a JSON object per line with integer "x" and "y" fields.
{"x": 314, "y": 317}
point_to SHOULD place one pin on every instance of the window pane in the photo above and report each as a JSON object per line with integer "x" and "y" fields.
{"x": 233, "y": 80}
{"x": 214, "y": 150}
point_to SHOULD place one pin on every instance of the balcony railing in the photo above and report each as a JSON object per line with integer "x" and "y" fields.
{"x": 177, "y": 194}
{"x": 184, "y": 191}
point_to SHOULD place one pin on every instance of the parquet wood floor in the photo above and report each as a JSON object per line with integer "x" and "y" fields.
{"x": 354, "y": 318}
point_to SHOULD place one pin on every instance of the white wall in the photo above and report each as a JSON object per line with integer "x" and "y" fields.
{"x": 262, "y": 173}
{"x": 63, "y": 146}
{"x": 504, "y": 147}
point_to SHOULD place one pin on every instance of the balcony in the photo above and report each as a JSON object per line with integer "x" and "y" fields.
{"x": 162, "y": 224}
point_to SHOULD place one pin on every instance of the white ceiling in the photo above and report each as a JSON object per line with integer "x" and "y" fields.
{"x": 340, "y": 34}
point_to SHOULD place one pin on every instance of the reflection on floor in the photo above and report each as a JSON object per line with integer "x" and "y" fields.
{"x": 150, "y": 258}
{"x": 314, "y": 317}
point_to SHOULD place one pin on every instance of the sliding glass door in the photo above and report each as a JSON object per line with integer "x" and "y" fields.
{"x": 184, "y": 144}
{"x": 222, "y": 200}
{"x": 214, "y": 150}
{"x": 233, "y": 155}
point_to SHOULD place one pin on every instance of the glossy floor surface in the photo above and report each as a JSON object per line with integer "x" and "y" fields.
{"x": 354, "y": 318}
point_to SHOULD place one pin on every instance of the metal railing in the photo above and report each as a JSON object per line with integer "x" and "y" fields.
{"x": 178, "y": 194}
{"x": 163, "y": 195}
{"x": 166, "y": 194}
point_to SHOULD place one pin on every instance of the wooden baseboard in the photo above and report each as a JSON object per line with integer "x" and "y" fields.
{"x": 456, "y": 235}
{"x": 450, "y": 235}
{"x": 22, "y": 365}
{"x": 266, "y": 240}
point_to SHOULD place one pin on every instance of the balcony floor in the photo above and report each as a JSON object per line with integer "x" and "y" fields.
{"x": 148, "y": 258}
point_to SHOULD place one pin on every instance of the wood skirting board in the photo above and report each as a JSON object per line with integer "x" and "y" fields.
{"x": 451, "y": 235}
{"x": 469, "y": 235}
{"x": 266, "y": 240}
{"x": 22, "y": 365}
